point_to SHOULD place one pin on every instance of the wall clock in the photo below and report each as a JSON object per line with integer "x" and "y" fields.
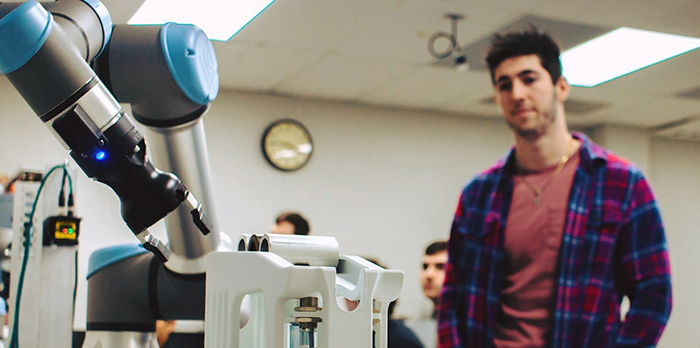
{"x": 287, "y": 145}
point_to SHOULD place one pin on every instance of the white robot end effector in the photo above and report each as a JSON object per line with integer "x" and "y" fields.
{"x": 40, "y": 58}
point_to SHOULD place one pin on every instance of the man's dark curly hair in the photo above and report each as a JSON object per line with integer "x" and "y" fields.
{"x": 521, "y": 43}
{"x": 436, "y": 247}
{"x": 301, "y": 225}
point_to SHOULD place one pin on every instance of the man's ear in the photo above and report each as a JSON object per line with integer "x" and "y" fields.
{"x": 563, "y": 88}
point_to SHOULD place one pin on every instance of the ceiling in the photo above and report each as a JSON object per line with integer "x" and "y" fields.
{"x": 375, "y": 52}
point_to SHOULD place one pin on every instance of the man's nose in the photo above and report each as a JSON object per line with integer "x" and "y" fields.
{"x": 517, "y": 90}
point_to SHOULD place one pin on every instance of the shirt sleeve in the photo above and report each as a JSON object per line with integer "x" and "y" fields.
{"x": 644, "y": 271}
{"x": 450, "y": 322}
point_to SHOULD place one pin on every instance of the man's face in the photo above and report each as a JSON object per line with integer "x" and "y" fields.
{"x": 284, "y": 227}
{"x": 433, "y": 274}
{"x": 524, "y": 91}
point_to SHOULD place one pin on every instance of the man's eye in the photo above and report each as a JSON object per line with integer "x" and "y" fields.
{"x": 505, "y": 86}
{"x": 529, "y": 80}
{"x": 425, "y": 266}
{"x": 440, "y": 266}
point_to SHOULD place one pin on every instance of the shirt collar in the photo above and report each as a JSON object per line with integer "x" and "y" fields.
{"x": 591, "y": 155}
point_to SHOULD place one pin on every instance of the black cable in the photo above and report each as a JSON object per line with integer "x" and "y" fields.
{"x": 75, "y": 288}
{"x": 71, "y": 205}
{"x": 62, "y": 194}
{"x": 14, "y": 340}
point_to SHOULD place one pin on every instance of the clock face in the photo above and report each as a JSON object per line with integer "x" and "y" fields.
{"x": 287, "y": 145}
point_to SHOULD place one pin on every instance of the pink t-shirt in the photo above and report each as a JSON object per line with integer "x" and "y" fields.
{"x": 532, "y": 241}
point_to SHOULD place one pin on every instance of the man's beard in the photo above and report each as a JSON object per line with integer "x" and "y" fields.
{"x": 540, "y": 128}
{"x": 532, "y": 133}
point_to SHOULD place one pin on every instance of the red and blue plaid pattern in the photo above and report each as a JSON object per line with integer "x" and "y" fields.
{"x": 613, "y": 246}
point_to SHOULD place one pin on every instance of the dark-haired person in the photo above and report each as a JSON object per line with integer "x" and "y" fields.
{"x": 291, "y": 223}
{"x": 432, "y": 276}
{"x": 432, "y": 273}
{"x": 547, "y": 242}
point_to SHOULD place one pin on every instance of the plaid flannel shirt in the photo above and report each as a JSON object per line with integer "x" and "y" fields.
{"x": 613, "y": 245}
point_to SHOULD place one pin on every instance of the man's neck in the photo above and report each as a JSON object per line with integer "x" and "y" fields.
{"x": 546, "y": 151}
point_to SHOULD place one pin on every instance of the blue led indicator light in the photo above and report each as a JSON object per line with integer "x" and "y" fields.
{"x": 100, "y": 155}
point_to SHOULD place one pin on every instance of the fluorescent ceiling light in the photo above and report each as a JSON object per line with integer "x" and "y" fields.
{"x": 219, "y": 19}
{"x": 621, "y": 52}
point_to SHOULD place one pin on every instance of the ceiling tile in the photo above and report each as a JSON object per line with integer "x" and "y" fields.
{"x": 342, "y": 77}
{"x": 260, "y": 67}
{"x": 656, "y": 112}
{"x": 687, "y": 129}
{"x": 319, "y": 25}
{"x": 403, "y": 34}
{"x": 427, "y": 87}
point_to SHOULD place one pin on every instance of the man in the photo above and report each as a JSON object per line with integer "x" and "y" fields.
{"x": 432, "y": 276}
{"x": 546, "y": 243}
{"x": 433, "y": 273}
{"x": 291, "y": 223}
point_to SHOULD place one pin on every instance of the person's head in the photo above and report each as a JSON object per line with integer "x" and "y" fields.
{"x": 524, "y": 43}
{"x": 432, "y": 275}
{"x": 528, "y": 86}
{"x": 291, "y": 223}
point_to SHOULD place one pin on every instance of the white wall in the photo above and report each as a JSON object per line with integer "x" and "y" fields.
{"x": 676, "y": 183}
{"x": 633, "y": 143}
{"x": 383, "y": 182}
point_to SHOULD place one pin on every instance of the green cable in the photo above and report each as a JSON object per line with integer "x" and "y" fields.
{"x": 70, "y": 179}
{"x": 27, "y": 244}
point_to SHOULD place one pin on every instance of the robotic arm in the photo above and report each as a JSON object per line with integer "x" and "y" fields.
{"x": 168, "y": 75}
{"x": 46, "y": 58}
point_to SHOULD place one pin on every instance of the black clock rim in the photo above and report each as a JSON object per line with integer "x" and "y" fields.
{"x": 275, "y": 124}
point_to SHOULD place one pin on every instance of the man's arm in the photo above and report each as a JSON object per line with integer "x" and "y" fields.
{"x": 450, "y": 323}
{"x": 644, "y": 273}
